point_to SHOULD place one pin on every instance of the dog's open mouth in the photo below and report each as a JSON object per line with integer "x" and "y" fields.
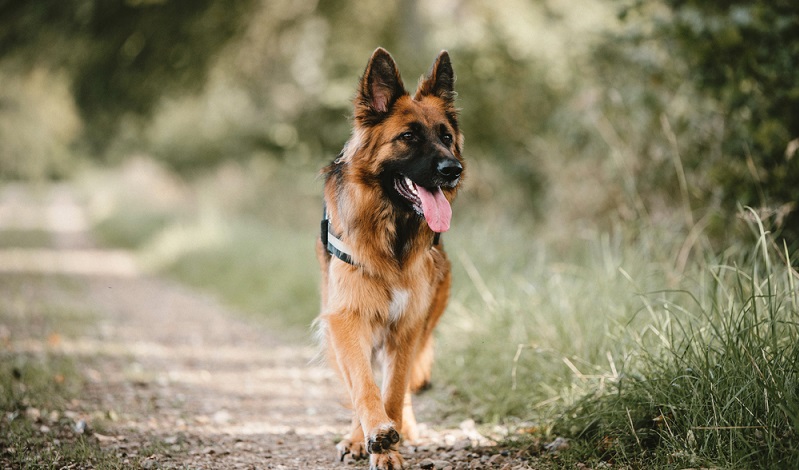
{"x": 428, "y": 202}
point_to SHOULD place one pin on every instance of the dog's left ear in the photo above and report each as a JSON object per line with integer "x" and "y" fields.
{"x": 440, "y": 80}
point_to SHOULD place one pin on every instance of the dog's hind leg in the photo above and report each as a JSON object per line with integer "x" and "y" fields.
{"x": 422, "y": 366}
{"x": 352, "y": 446}
{"x": 423, "y": 363}
{"x": 410, "y": 431}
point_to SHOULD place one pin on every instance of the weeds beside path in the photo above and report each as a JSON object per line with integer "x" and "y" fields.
{"x": 156, "y": 375}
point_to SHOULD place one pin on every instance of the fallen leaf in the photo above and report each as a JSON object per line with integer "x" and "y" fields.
{"x": 54, "y": 340}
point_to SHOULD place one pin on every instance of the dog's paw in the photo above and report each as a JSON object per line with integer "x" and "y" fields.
{"x": 387, "y": 461}
{"x": 347, "y": 450}
{"x": 382, "y": 439}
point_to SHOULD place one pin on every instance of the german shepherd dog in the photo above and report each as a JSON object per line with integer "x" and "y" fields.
{"x": 385, "y": 276}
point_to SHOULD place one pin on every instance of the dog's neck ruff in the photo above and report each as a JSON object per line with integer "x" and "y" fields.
{"x": 336, "y": 247}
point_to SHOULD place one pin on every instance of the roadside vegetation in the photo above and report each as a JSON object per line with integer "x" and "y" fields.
{"x": 43, "y": 422}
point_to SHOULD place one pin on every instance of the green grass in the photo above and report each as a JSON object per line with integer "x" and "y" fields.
{"x": 130, "y": 228}
{"x": 24, "y": 238}
{"x": 39, "y": 381}
{"x": 259, "y": 269}
{"x": 637, "y": 362}
{"x": 38, "y": 384}
{"x": 717, "y": 383}
{"x": 36, "y": 428}
{"x": 540, "y": 326}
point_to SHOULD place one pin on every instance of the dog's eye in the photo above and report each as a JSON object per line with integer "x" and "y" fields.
{"x": 447, "y": 139}
{"x": 407, "y": 136}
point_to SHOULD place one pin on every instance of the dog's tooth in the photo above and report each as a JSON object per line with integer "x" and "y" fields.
{"x": 411, "y": 185}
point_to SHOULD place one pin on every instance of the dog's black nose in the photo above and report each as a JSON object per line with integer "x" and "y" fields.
{"x": 449, "y": 169}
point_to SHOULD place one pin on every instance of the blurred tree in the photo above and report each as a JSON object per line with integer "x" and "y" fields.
{"x": 121, "y": 55}
{"x": 744, "y": 54}
{"x": 299, "y": 62}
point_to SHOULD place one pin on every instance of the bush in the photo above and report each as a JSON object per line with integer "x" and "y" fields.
{"x": 715, "y": 383}
{"x": 742, "y": 55}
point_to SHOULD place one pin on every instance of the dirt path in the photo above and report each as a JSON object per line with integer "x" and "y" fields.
{"x": 176, "y": 380}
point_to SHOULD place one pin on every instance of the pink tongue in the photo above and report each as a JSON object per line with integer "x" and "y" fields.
{"x": 436, "y": 208}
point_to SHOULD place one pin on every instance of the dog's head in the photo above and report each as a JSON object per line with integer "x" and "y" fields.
{"x": 413, "y": 143}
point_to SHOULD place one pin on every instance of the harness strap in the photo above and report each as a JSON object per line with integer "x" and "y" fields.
{"x": 336, "y": 247}
{"x": 332, "y": 243}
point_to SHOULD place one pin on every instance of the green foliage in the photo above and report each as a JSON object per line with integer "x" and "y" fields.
{"x": 131, "y": 228}
{"x": 686, "y": 94}
{"x": 743, "y": 55}
{"x": 292, "y": 102}
{"x": 716, "y": 383}
{"x": 122, "y": 56}
{"x": 38, "y": 123}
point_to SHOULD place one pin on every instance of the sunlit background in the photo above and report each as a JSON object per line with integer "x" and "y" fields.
{"x": 618, "y": 152}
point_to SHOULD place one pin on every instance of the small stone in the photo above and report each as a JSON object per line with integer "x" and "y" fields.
{"x": 462, "y": 444}
{"x": 33, "y": 414}
{"x": 467, "y": 425}
{"x": 557, "y": 445}
{"x": 149, "y": 464}
{"x": 222, "y": 417}
{"x": 427, "y": 464}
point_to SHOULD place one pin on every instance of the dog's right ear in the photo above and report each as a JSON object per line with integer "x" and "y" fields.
{"x": 380, "y": 87}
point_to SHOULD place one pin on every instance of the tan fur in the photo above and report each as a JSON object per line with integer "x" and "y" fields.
{"x": 387, "y": 304}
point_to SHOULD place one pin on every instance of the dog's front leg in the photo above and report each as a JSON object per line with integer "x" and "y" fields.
{"x": 400, "y": 351}
{"x": 350, "y": 336}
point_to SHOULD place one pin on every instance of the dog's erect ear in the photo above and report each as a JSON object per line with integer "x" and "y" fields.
{"x": 440, "y": 80}
{"x": 380, "y": 87}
